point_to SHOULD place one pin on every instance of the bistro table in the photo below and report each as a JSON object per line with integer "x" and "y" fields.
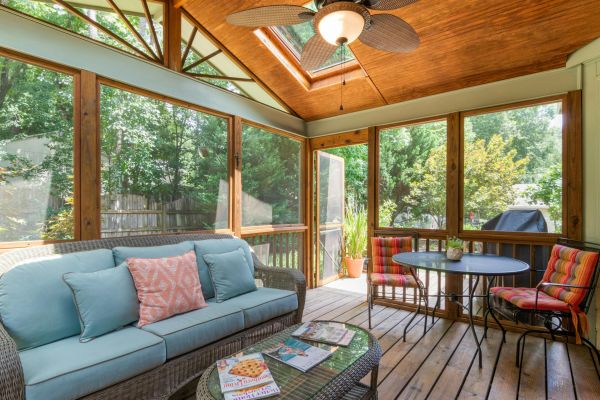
{"x": 476, "y": 265}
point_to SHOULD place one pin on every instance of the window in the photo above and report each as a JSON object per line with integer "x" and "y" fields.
{"x": 271, "y": 178}
{"x": 164, "y": 167}
{"x": 36, "y": 153}
{"x": 203, "y": 59}
{"x": 294, "y": 37}
{"x": 134, "y": 26}
{"x": 513, "y": 171}
{"x": 412, "y": 176}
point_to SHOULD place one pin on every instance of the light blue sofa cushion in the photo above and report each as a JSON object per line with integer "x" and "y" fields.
{"x": 217, "y": 246}
{"x": 170, "y": 250}
{"x": 36, "y": 306}
{"x": 230, "y": 274}
{"x": 264, "y": 304}
{"x": 69, "y": 369}
{"x": 106, "y": 300}
{"x": 186, "y": 332}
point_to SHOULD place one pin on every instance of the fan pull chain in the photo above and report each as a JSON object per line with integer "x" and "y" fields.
{"x": 343, "y": 77}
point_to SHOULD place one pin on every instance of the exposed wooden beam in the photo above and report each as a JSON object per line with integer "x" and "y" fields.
{"x": 223, "y": 78}
{"x": 132, "y": 29}
{"x": 202, "y": 60}
{"x": 173, "y": 35}
{"x": 179, "y": 3}
{"x": 188, "y": 45}
{"x": 96, "y": 25}
{"x": 152, "y": 29}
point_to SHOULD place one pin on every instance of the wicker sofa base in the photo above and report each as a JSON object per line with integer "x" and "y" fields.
{"x": 164, "y": 381}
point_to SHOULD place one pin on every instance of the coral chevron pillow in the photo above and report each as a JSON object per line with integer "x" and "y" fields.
{"x": 166, "y": 286}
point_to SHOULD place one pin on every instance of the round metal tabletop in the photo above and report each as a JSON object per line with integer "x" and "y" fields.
{"x": 472, "y": 264}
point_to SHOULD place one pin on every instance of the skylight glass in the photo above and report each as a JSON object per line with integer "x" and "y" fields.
{"x": 296, "y": 36}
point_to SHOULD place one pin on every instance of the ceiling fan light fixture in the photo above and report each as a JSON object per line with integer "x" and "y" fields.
{"x": 343, "y": 26}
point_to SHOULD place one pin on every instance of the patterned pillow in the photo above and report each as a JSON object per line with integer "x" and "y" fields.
{"x": 572, "y": 267}
{"x": 166, "y": 286}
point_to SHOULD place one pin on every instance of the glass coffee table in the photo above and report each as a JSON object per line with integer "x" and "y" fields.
{"x": 338, "y": 377}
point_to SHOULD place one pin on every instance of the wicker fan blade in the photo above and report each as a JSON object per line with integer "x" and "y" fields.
{"x": 271, "y": 16}
{"x": 390, "y": 33}
{"x": 316, "y": 52}
{"x": 388, "y": 4}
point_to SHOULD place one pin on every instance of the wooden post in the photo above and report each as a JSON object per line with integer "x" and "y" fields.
{"x": 173, "y": 37}
{"x": 235, "y": 160}
{"x": 454, "y": 200}
{"x": 308, "y": 214}
{"x": 373, "y": 192}
{"x": 573, "y": 166}
{"x": 89, "y": 156}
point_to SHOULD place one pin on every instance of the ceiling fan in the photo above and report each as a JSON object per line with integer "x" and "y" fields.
{"x": 337, "y": 22}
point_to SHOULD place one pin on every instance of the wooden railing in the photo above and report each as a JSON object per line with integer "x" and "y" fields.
{"x": 283, "y": 247}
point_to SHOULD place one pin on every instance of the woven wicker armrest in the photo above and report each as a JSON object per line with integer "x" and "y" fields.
{"x": 282, "y": 278}
{"x": 12, "y": 383}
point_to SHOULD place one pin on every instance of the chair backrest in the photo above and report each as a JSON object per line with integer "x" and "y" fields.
{"x": 573, "y": 263}
{"x": 383, "y": 248}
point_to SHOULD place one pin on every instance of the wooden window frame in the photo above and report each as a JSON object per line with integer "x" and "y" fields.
{"x": 571, "y": 171}
{"x": 101, "y": 81}
{"x": 297, "y": 227}
{"x": 381, "y": 230}
{"x": 76, "y": 75}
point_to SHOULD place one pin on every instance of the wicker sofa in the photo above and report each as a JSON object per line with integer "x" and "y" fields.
{"x": 157, "y": 381}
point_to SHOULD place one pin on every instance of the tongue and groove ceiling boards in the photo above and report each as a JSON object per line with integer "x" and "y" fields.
{"x": 463, "y": 43}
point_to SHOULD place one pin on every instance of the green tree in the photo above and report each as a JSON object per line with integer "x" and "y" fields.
{"x": 356, "y": 162}
{"x": 490, "y": 172}
{"x": 548, "y": 191}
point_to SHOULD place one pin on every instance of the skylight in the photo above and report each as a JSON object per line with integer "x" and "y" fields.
{"x": 295, "y": 37}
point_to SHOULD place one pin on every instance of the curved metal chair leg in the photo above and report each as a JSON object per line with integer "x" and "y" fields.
{"x": 411, "y": 320}
{"x": 485, "y": 323}
{"x": 491, "y": 311}
{"x": 426, "y": 301}
{"x": 593, "y": 349}
{"x": 369, "y": 302}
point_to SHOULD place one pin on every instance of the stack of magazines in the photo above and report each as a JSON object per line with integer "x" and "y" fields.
{"x": 298, "y": 354}
{"x": 325, "y": 332}
{"x": 246, "y": 378}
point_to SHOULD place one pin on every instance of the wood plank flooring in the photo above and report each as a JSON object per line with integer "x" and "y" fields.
{"x": 442, "y": 363}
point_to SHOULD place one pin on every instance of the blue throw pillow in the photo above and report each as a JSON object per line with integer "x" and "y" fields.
{"x": 230, "y": 274}
{"x": 106, "y": 300}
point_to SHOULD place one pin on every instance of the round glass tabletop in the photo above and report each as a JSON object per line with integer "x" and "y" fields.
{"x": 473, "y": 264}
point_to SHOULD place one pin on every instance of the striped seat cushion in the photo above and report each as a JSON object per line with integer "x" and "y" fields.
{"x": 397, "y": 280}
{"x": 384, "y": 249}
{"x": 524, "y": 298}
{"x": 573, "y": 267}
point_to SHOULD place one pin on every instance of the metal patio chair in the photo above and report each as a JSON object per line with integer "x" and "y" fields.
{"x": 562, "y": 298}
{"x": 384, "y": 272}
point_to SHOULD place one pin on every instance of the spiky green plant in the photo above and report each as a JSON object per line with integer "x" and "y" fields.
{"x": 454, "y": 243}
{"x": 355, "y": 230}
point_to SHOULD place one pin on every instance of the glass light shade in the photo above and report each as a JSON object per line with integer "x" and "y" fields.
{"x": 341, "y": 24}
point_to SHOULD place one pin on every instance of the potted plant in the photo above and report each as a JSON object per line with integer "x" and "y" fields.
{"x": 454, "y": 248}
{"x": 356, "y": 239}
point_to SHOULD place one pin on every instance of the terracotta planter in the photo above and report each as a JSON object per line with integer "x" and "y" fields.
{"x": 354, "y": 267}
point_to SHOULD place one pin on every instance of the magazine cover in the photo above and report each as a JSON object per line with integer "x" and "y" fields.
{"x": 298, "y": 354}
{"x": 260, "y": 392}
{"x": 243, "y": 372}
{"x": 326, "y": 332}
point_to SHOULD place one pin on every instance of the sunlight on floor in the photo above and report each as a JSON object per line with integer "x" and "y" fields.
{"x": 356, "y": 285}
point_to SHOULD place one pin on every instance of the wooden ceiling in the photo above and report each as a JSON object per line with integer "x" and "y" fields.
{"x": 463, "y": 43}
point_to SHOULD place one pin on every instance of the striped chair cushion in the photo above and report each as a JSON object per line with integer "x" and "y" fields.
{"x": 524, "y": 298}
{"x": 573, "y": 267}
{"x": 397, "y": 280}
{"x": 384, "y": 249}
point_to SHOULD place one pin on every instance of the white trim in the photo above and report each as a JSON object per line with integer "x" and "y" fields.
{"x": 585, "y": 54}
{"x": 29, "y": 36}
{"x": 527, "y": 87}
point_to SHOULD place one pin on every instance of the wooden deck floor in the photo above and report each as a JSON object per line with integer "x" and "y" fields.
{"x": 442, "y": 364}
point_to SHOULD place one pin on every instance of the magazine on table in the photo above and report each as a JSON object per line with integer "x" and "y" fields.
{"x": 298, "y": 354}
{"x": 258, "y": 392}
{"x": 326, "y": 332}
{"x": 238, "y": 373}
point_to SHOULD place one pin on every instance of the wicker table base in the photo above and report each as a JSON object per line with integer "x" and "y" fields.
{"x": 338, "y": 377}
